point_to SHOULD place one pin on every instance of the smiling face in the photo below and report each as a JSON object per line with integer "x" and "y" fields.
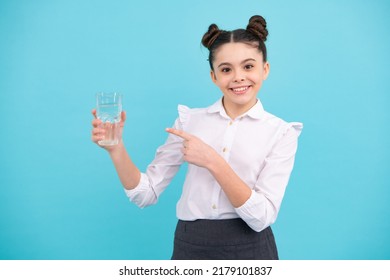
{"x": 239, "y": 71}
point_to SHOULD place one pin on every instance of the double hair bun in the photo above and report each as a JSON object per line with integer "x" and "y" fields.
{"x": 256, "y": 26}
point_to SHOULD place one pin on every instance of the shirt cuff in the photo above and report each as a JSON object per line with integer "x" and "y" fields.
{"x": 142, "y": 186}
{"x": 251, "y": 212}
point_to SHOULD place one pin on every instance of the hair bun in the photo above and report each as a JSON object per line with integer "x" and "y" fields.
{"x": 258, "y": 26}
{"x": 211, "y": 35}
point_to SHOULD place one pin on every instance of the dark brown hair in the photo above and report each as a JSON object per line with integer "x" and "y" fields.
{"x": 255, "y": 34}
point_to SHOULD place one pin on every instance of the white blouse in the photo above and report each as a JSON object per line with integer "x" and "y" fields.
{"x": 259, "y": 147}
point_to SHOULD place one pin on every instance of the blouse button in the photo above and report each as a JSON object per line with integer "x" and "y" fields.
{"x": 214, "y": 206}
{"x": 231, "y": 122}
{"x": 224, "y": 150}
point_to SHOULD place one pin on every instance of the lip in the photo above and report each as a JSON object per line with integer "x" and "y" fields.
{"x": 240, "y": 90}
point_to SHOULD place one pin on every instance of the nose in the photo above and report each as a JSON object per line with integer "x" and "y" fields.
{"x": 239, "y": 77}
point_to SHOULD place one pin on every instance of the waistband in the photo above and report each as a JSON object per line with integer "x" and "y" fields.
{"x": 217, "y": 232}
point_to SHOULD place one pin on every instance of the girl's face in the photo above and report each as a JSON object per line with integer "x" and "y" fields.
{"x": 239, "y": 71}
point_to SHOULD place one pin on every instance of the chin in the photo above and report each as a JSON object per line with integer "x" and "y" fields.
{"x": 243, "y": 99}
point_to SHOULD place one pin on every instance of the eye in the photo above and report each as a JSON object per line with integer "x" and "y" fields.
{"x": 248, "y": 66}
{"x": 225, "y": 70}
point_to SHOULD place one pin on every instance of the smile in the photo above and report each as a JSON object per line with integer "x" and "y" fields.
{"x": 240, "y": 90}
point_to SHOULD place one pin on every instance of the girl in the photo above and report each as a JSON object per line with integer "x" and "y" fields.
{"x": 239, "y": 157}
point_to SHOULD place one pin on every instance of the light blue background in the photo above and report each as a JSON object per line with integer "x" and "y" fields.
{"x": 60, "y": 197}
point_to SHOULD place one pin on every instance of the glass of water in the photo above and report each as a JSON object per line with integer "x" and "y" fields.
{"x": 108, "y": 110}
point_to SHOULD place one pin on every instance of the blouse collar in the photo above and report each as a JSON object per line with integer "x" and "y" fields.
{"x": 256, "y": 112}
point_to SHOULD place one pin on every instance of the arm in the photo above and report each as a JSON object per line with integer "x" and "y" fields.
{"x": 235, "y": 189}
{"x": 197, "y": 152}
{"x": 143, "y": 189}
{"x": 262, "y": 208}
{"x": 128, "y": 173}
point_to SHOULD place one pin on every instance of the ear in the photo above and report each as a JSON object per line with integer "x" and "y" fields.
{"x": 213, "y": 77}
{"x": 266, "y": 70}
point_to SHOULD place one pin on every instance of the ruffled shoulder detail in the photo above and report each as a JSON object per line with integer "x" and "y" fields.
{"x": 283, "y": 126}
{"x": 297, "y": 126}
{"x": 184, "y": 115}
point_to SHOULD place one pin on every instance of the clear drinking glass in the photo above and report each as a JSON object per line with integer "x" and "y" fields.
{"x": 108, "y": 110}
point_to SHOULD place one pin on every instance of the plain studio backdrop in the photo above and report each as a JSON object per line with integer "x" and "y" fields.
{"x": 60, "y": 197}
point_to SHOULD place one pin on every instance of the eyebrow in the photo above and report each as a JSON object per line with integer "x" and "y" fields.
{"x": 242, "y": 62}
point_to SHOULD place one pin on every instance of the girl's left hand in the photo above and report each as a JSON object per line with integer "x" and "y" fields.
{"x": 194, "y": 150}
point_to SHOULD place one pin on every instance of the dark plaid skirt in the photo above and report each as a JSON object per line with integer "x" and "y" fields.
{"x": 230, "y": 239}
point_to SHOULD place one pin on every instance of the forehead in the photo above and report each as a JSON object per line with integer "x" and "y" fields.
{"x": 236, "y": 52}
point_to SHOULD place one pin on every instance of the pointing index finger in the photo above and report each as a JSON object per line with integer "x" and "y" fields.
{"x": 179, "y": 133}
{"x": 94, "y": 113}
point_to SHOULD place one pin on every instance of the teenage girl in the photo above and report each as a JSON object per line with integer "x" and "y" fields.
{"x": 239, "y": 157}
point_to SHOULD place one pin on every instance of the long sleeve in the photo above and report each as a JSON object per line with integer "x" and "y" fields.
{"x": 159, "y": 173}
{"x": 262, "y": 208}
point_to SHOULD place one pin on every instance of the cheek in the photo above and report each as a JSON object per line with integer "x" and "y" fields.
{"x": 258, "y": 81}
{"x": 222, "y": 81}
{"x": 260, "y": 77}
{"x": 256, "y": 78}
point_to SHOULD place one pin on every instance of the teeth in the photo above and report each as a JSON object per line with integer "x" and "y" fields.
{"x": 239, "y": 89}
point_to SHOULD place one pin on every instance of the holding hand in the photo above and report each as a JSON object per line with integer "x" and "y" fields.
{"x": 98, "y": 131}
{"x": 195, "y": 151}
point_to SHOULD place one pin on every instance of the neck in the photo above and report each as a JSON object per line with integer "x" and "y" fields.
{"x": 236, "y": 110}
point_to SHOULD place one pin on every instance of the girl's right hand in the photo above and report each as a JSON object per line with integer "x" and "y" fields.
{"x": 98, "y": 131}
